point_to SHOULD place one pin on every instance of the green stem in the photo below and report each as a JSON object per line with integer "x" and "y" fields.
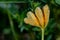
{"x": 12, "y": 26}
{"x": 42, "y": 34}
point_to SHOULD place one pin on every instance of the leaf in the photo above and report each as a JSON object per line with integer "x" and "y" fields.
{"x": 36, "y": 4}
{"x": 57, "y": 1}
{"x": 45, "y": 1}
{"x": 6, "y": 31}
{"x": 22, "y": 28}
{"x": 36, "y": 29}
{"x": 50, "y": 27}
{"x": 49, "y": 37}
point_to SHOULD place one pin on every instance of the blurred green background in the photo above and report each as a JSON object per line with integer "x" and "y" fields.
{"x": 12, "y": 14}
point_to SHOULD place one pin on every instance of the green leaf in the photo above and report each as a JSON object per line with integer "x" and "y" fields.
{"x": 36, "y": 4}
{"x": 36, "y": 29}
{"x": 49, "y": 37}
{"x": 6, "y": 31}
{"x": 23, "y": 28}
{"x": 50, "y": 27}
{"x": 57, "y": 1}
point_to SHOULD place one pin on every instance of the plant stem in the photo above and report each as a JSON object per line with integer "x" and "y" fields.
{"x": 12, "y": 26}
{"x": 42, "y": 34}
